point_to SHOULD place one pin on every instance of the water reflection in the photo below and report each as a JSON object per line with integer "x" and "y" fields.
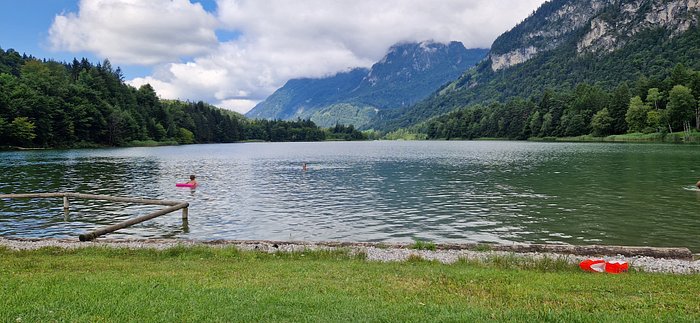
{"x": 371, "y": 191}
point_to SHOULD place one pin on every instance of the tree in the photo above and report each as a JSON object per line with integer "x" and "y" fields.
{"x": 185, "y": 136}
{"x": 654, "y": 97}
{"x": 535, "y": 123}
{"x": 121, "y": 127}
{"x": 3, "y": 131}
{"x": 654, "y": 121}
{"x": 602, "y": 123}
{"x": 547, "y": 125}
{"x": 681, "y": 106}
{"x": 636, "y": 116}
{"x": 22, "y": 131}
{"x": 618, "y": 107}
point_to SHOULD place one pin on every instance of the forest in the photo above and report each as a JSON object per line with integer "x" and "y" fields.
{"x": 662, "y": 104}
{"x": 49, "y": 104}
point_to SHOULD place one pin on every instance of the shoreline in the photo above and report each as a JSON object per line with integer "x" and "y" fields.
{"x": 647, "y": 259}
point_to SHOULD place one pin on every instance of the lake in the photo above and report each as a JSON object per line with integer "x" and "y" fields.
{"x": 392, "y": 191}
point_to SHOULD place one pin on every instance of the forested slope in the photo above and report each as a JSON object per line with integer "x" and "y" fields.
{"x": 567, "y": 43}
{"x": 45, "y": 103}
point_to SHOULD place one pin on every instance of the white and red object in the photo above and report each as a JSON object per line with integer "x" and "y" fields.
{"x": 602, "y": 266}
{"x": 616, "y": 266}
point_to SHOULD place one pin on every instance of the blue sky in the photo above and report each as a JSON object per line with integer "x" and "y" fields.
{"x": 234, "y": 53}
{"x": 24, "y": 27}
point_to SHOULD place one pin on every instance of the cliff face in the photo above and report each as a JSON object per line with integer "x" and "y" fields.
{"x": 607, "y": 33}
{"x": 546, "y": 29}
{"x": 596, "y": 26}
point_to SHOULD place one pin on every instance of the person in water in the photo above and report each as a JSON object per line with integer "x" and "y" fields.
{"x": 698, "y": 184}
{"x": 303, "y": 167}
{"x": 192, "y": 181}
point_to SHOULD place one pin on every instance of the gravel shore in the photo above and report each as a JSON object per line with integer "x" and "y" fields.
{"x": 374, "y": 252}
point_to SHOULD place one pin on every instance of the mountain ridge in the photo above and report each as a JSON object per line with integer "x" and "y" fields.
{"x": 408, "y": 73}
{"x": 649, "y": 37}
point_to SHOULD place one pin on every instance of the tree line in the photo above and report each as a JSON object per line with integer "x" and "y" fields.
{"x": 81, "y": 104}
{"x": 668, "y": 103}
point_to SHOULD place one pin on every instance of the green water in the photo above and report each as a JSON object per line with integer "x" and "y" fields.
{"x": 504, "y": 192}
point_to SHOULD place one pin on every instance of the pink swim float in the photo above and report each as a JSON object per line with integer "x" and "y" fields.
{"x": 185, "y": 185}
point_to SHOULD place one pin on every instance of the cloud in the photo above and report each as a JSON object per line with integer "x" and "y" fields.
{"x": 135, "y": 31}
{"x": 275, "y": 39}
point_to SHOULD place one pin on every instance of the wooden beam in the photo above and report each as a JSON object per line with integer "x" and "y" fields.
{"x": 92, "y": 235}
{"x": 123, "y": 199}
{"x": 92, "y": 197}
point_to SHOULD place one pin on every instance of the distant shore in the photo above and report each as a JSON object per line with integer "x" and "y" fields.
{"x": 657, "y": 137}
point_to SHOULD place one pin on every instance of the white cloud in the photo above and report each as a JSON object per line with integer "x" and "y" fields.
{"x": 136, "y": 31}
{"x": 279, "y": 39}
{"x": 240, "y": 106}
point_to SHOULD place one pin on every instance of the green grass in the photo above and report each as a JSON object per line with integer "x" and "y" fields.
{"x": 423, "y": 245}
{"x": 224, "y": 284}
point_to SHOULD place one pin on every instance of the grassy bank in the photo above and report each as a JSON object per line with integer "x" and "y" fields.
{"x": 676, "y": 137}
{"x": 210, "y": 284}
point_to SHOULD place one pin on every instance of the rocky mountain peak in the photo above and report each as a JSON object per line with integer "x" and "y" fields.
{"x": 604, "y": 24}
{"x": 408, "y": 73}
{"x": 404, "y": 60}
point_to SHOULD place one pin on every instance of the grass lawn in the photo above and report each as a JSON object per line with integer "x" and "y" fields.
{"x": 225, "y": 284}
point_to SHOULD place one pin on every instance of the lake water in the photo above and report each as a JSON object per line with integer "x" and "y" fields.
{"x": 477, "y": 191}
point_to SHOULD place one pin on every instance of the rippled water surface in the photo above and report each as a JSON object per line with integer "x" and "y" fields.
{"x": 479, "y": 191}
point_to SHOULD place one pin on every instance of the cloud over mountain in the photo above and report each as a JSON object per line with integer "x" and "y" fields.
{"x": 271, "y": 41}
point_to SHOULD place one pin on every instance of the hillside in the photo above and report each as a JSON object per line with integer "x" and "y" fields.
{"x": 408, "y": 73}
{"x": 48, "y": 104}
{"x": 566, "y": 43}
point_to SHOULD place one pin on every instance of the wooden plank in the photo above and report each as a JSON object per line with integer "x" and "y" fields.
{"x": 31, "y": 195}
{"x": 92, "y": 235}
{"x": 92, "y": 197}
{"x": 123, "y": 199}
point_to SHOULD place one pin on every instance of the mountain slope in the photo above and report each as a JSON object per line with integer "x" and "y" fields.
{"x": 408, "y": 73}
{"x": 568, "y": 42}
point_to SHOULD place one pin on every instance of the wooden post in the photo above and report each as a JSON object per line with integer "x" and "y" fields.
{"x": 92, "y": 235}
{"x": 66, "y": 206}
{"x": 185, "y": 213}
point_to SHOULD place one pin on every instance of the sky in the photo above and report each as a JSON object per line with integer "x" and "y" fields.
{"x": 234, "y": 53}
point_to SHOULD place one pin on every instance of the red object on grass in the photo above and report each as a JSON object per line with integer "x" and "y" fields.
{"x": 602, "y": 266}
{"x": 593, "y": 265}
{"x": 616, "y": 266}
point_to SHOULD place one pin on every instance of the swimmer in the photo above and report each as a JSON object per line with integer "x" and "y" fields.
{"x": 192, "y": 181}
{"x": 304, "y": 168}
{"x": 698, "y": 184}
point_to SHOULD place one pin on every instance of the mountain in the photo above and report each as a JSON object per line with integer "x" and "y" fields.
{"x": 407, "y": 74}
{"x": 568, "y": 42}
